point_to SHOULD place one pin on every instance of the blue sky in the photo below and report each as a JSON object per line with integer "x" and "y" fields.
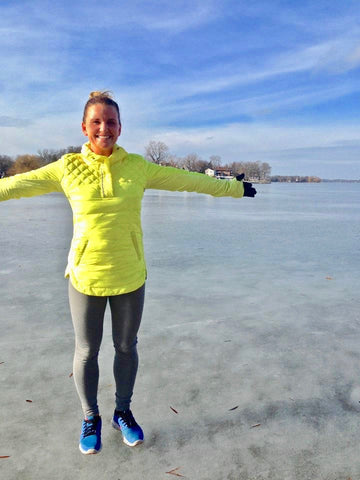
{"x": 268, "y": 80}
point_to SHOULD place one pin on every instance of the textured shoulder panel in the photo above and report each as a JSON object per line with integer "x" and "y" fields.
{"x": 78, "y": 172}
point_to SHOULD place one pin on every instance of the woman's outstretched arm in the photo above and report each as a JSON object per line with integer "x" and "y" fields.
{"x": 36, "y": 182}
{"x": 174, "y": 179}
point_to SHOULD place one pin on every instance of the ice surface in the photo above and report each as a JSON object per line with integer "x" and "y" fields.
{"x": 250, "y": 303}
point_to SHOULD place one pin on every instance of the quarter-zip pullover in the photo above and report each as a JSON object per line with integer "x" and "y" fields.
{"x": 105, "y": 193}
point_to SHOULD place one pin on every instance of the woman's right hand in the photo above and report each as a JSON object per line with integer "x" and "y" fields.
{"x": 249, "y": 190}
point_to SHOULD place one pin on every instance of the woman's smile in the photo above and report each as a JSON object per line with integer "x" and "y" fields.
{"x": 103, "y": 128}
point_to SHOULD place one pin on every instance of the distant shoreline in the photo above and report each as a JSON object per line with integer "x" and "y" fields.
{"x": 307, "y": 179}
{"x": 340, "y": 181}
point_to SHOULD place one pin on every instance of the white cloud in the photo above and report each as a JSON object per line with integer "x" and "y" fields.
{"x": 163, "y": 16}
{"x": 239, "y": 140}
{"x": 289, "y": 149}
{"x": 6, "y": 121}
{"x": 194, "y": 62}
{"x": 174, "y": 20}
{"x": 341, "y": 54}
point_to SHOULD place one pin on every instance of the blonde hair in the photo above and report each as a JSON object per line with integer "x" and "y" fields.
{"x": 104, "y": 97}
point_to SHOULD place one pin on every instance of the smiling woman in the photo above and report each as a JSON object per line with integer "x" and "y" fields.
{"x": 105, "y": 186}
{"x": 101, "y": 122}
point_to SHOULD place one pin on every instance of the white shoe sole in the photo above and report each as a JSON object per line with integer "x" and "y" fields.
{"x": 91, "y": 451}
{"x": 117, "y": 427}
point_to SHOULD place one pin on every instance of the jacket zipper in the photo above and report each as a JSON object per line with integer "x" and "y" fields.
{"x": 102, "y": 181}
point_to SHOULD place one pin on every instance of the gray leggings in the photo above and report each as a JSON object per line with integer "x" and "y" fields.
{"x": 88, "y": 317}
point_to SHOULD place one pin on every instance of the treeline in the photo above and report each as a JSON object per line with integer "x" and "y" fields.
{"x": 24, "y": 163}
{"x": 158, "y": 152}
{"x": 295, "y": 179}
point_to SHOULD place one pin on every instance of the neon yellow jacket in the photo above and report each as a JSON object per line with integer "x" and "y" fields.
{"x": 105, "y": 193}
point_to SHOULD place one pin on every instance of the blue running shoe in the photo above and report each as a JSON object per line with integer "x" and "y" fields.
{"x": 90, "y": 438}
{"x": 126, "y": 423}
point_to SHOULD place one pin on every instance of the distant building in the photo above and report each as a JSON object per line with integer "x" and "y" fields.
{"x": 220, "y": 172}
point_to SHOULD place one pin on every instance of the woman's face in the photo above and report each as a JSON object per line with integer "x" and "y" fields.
{"x": 103, "y": 128}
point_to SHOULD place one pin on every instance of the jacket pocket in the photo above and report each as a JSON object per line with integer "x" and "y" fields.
{"x": 79, "y": 252}
{"x": 136, "y": 245}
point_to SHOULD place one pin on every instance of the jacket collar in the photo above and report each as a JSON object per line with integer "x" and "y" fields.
{"x": 118, "y": 154}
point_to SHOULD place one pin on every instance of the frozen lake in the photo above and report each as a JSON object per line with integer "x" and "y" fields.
{"x": 251, "y": 303}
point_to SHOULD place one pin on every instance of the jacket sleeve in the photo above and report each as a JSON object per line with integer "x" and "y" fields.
{"x": 36, "y": 182}
{"x": 174, "y": 179}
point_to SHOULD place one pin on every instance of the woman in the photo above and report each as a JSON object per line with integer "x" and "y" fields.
{"x": 105, "y": 185}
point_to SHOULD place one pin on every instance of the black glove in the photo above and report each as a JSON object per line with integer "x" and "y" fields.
{"x": 249, "y": 191}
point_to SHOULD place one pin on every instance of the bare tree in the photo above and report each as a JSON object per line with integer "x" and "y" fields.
{"x": 157, "y": 152}
{"x": 265, "y": 171}
{"x": 215, "y": 161}
{"x": 252, "y": 170}
{"x": 237, "y": 168}
{"x": 74, "y": 149}
{"x": 173, "y": 161}
{"x": 5, "y": 164}
{"x": 25, "y": 163}
{"x": 194, "y": 163}
{"x": 48, "y": 156}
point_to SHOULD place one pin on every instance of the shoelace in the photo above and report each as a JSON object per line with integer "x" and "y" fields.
{"x": 127, "y": 418}
{"x": 89, "y": 428}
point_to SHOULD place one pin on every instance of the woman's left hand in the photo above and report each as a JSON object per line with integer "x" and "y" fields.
{"x": 249, "y": 190}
